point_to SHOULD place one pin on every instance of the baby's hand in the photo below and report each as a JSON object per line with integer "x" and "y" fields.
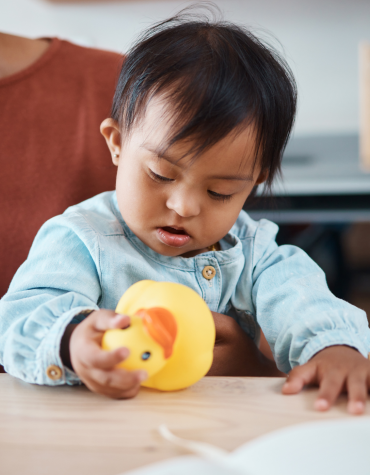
{"x": 96, "y": 367}
{"x": 334, "y": 369}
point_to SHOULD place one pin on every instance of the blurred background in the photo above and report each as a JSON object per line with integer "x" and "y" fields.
{"x": 323, "y": 202}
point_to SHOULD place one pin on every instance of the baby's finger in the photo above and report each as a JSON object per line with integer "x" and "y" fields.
{"x": 113, "y": 393}
{"x": 109, "y": 320}
{"x": 131, "y": 392}
{"x": 299, "y": 377}
{"x": 106, "y": 360}
{"x": 357, "y": 393}
{"x": 120, "y": 379}
{"x": 331, "y": 386}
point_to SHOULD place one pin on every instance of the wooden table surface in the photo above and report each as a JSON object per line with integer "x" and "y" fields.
{"x": 72, "y": 431}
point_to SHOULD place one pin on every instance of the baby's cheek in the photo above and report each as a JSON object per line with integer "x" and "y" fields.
{"x": 222, "y": 221}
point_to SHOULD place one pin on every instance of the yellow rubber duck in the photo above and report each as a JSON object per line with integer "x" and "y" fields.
{"x": 171, "y": 335}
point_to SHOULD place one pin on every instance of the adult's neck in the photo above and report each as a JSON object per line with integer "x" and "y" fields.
{"x": 18, "y": 53}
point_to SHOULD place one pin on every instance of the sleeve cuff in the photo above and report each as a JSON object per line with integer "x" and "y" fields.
{"x": 53, "y": 371}
{"x": 332, "y": 338}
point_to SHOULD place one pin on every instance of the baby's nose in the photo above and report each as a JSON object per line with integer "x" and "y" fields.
{"x": 184, "y": 204}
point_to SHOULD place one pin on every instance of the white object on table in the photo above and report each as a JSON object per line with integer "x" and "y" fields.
{"x": 322, "y": 448}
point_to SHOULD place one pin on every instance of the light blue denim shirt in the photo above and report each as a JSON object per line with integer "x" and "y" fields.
{"x": 86, "y": 258}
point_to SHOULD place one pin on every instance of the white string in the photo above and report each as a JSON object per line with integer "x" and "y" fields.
{"x": 207, "y": 451}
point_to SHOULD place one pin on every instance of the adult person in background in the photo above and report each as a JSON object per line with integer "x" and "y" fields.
{"x": 46, "y": 165}
{"x": 52, "y": 157}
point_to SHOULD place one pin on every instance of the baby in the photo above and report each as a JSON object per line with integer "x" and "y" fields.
{"x": 201, "y": 116}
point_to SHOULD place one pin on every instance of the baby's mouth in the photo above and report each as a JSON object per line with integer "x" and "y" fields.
{"x": 174, "y": 237}
{"x": 171, "y": 230}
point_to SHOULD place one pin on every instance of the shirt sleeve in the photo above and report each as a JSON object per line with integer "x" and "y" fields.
{"x": 58, "y": 282}
{"x": 294, "y": 307}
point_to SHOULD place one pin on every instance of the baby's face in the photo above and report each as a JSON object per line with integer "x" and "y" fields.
{"x": 179, "y": 208}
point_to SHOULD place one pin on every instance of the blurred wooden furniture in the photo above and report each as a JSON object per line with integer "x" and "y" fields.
{"x": 364, "y": 59}
{"x": 322, "y": 182}
{"x": 71, "y": 430}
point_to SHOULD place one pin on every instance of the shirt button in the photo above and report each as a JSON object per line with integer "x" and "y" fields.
{"x": 54, "y": 372}
{"x": 209, "y": 272}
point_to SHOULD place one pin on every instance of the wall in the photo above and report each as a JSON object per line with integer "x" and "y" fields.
{"x": 320, "y": 39}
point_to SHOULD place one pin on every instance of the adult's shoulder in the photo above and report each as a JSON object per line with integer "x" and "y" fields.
{"x": 91, "y": 55}
{"x": 73, "y": 74}
{"x": 101, "y": 65}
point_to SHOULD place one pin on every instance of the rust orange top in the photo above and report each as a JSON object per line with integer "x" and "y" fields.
{"x": 51, "y": 151}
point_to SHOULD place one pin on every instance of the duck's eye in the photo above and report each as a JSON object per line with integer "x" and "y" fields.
{"x": 145, "y": 355}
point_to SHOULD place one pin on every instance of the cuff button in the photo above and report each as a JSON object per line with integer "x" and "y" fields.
{"x": 54, "y": 372}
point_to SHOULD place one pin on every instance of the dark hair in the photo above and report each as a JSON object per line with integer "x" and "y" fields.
{"x": 218, "y": 77}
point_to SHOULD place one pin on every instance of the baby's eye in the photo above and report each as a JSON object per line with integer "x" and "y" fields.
{"x": 218, "y": 196}
{"x": 159, "y": 178}
{"x": 146, "y": 355}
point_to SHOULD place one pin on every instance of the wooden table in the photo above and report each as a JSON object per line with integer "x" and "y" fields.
{"x": 71, "y": 431}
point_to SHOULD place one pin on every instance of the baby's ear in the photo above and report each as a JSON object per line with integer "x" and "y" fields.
{"x": 262, "y": 176}
{"x": 110, "y": 130}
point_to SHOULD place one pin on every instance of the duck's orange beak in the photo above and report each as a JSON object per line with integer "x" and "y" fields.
{"x": 161, "y": 326}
